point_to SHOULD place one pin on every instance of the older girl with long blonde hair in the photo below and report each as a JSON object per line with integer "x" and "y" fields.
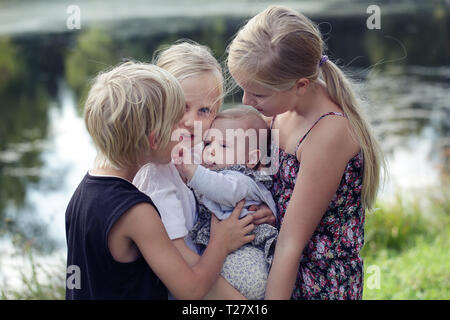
{"x": 329, "y": 159}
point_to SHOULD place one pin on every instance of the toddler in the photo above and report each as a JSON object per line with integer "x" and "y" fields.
{"x": 226, "y": 177}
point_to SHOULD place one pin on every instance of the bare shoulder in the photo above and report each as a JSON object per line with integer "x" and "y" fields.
{"x": 141, "y": 218}
{"x": 332, "y": 136}
{"x": 142, "y": 213}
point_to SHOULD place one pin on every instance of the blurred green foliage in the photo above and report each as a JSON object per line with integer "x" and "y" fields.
{"x": 92, "y": 53}
{"x": 25, "y": 102}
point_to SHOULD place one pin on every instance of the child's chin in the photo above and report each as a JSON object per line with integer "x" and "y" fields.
{"x": 217, "y": 166}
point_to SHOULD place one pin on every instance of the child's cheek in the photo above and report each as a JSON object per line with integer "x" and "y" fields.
{"x": 206, "y": 123}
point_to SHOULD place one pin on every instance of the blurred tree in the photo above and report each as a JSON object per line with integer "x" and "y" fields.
{"x": 23, "y": 126}
{"x": 92, "y": 53}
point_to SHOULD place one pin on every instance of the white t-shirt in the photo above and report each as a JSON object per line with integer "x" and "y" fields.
{"x": 174, "y": 200}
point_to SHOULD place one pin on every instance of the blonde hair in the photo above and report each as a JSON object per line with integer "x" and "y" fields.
{"x": 279, "y": 46}
{"x": 124, "y": 105}
{"x": 251, "y": 116}
{"x": 253, "y": 120}
{"x": 187, "y": 58}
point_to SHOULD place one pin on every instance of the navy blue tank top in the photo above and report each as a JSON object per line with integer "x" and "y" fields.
{"x": 92, "y": 272}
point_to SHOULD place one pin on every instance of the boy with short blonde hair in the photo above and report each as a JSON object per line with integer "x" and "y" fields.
{"x": 125, "y": 105}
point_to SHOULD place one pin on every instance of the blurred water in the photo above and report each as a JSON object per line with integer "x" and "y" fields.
{"x": 50, "y": 16}
{"x": 44, "y": 71}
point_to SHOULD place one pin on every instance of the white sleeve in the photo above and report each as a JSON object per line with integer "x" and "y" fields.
{"x": 154, "y": 181}
{"x": 226, "y": 189}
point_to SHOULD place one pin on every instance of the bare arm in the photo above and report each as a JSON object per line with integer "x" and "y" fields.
{"x": 221, "y": 289}
{"x": 324, "y": 157}
{"x": 142, "y": 225}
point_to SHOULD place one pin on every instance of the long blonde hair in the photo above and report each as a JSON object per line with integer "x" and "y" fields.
{"x": 279, "y": 46}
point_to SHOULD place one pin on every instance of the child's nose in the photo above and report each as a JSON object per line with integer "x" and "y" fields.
{"x": 246, "y": 100}
{"x": 188, "y": 120}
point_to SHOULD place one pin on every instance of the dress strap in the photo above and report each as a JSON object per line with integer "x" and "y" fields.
{"x": 272, "y": 121}
{"x": 321, "y": 117}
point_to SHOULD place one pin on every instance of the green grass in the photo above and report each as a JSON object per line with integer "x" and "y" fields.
{"x": 408, "y": 243}
{"x": 421, "y": 272}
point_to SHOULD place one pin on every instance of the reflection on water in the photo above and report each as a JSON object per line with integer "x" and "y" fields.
{"x": 45, "y": 150}
{"x": 412, "y": 102}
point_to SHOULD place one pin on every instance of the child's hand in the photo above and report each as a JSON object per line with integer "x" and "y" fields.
{"x": 233, "y": 232}
{"x": 262, "y": 214}
{"x": 184, "y": 163}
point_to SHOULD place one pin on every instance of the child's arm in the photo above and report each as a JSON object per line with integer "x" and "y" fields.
{"x": 226, "y": 189}
{"x": 142, "y": 226}
{"x": 324, "y": 157}
{"x": 221, "y": 289}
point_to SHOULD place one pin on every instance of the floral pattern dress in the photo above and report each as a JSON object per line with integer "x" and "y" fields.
{"x": 330, "y": 266}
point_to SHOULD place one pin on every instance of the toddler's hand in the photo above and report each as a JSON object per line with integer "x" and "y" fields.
{"x": 233, "y": 232}
{"x": 262, "y": 214}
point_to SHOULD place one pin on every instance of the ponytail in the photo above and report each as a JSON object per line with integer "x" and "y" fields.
{"x": 340, "y": 91}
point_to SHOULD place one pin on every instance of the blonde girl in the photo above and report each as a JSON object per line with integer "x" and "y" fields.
{"x": 200, "y": 77}
{"x": 277, "y": 59}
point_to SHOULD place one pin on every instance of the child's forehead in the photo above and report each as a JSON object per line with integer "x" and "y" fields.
{"x": 202, "y": 89}
{"x": 221, "y": 129}
{"x": 229, "y": 123}
{"x": 248, "y": 84}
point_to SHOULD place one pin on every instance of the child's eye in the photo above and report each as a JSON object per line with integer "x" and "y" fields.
{"x": 259, "y": 96}
{"x": 204, "y": 110}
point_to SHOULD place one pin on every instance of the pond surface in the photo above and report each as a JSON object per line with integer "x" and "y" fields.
{"x": 403, "y": 71}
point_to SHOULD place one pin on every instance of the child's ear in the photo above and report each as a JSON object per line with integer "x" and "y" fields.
{"x": 152, "y": 140}
{"x": 301, "y": 85}
{"x": 253, "y": 158}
